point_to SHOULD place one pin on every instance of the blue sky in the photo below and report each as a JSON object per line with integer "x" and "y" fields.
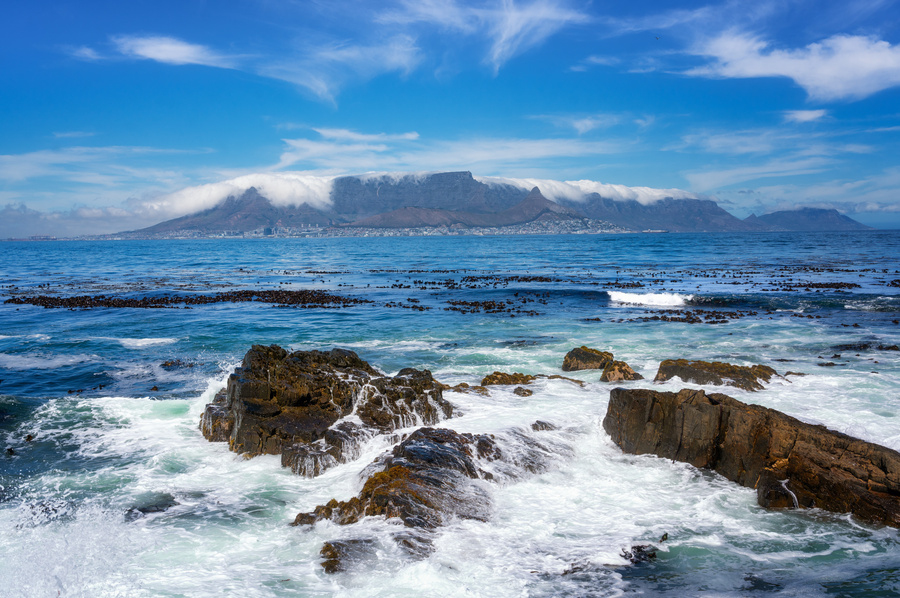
{"x": 117, "y": 114}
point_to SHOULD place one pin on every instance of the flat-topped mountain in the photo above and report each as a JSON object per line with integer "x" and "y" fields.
{"x": 459, "y": 200}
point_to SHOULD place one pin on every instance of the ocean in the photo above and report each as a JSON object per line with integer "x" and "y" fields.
{"x": 107, "y": 487}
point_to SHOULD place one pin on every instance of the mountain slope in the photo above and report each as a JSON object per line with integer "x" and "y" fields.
{"x": 807, "y": 219}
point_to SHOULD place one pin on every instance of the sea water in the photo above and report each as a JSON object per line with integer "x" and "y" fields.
{"x": 116, "y": 493}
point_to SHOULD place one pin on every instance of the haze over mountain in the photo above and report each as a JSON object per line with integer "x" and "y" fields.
{"x": 460, "y": 200}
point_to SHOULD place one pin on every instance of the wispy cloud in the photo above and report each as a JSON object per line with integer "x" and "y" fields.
{"x": 509, "y": 27}
{"x": 325, "y": 70}
{"x": 803, "y": 116}
{"x": 582, "y": 123}
{"x": 841, "y": 67}
{"x": 72, "y": 134}
{"x": 170, "y": 50}
{"x": 342, "y": 151}
{"x": 710, "y": 180}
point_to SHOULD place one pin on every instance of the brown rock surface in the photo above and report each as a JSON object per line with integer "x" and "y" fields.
{"x": 585, "y": 358}
{"x": 504, "y": 378}
{"x": 616, "y": 371}
{"x": 789, "y": 462}
{"x": 293, "y": 404}
{"x": 715, "y": 372}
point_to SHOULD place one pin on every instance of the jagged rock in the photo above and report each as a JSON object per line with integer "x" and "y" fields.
{"x": 504, "y": 378}
{"x": 715, "y": 372}
{"x": 425, "y": 480}
{"x": 522, "y": 391}
{"x": 217, "y": 422}
{"x": 464, "y": 387}
{"x": 337, "y": 555}
{"x": 294, "y": 404}
{"x": 790, "y": 463}
{"x": 585, "y": 358}
{"x": 616, "y": 371}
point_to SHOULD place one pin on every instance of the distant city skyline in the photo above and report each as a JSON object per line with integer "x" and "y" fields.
{"x": 119, "y": 115}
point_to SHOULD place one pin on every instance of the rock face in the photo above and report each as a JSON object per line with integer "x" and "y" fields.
{"x": 790, "y": 463}
{"x": 296, "y": 405}
{"x": 715, "y": 372}
{"x": 585, "y": 358}
{"x": 504, "y": 378}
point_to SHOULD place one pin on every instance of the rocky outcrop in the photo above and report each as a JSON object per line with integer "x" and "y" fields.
{"x": 433, "y": 476}
{"x": 585, "y": 358}
{"x": 426, "y": 479}
{"x": 790, "y": 463}
{"x": 715, "y": 372}
{"x": 617, "y": 371}
{"x": 297, "y": 405}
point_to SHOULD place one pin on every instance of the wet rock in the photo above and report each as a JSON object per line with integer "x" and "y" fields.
{"x": 295, "y": 405}
{"x": 504, "y": 378}
{"x": 464, "y": 387}
{"x": 585, "y": 358}
{"x": 427, "y": 479}
{"x": 522, "y": 391}
{"x": 789, "y": 462}
{"x": 156, "y": 504}
{"x": 715, "y": 372}
{"x": 640, "y": 553}
{"x": 540, "y": 426}
{"x": 339, "y": 555}
{"x": 616, "y": 371}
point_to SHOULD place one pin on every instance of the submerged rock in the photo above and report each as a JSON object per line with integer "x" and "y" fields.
{"x": 789, "y": 462}
{"x": 297, "y": 405}
{"x": 586, "y": 358}
{"x": 715, "y": 372}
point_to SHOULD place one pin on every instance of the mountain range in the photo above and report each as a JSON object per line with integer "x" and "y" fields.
{"x": 459, "y": 200}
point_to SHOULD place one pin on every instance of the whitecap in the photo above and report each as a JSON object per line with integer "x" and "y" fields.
{"x": 654, "y": 299}
{"x": 30, "y": 361}
{"x": 140, "y": 343}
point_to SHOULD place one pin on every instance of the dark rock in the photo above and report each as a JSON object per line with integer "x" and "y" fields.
{"x": 789, "y": 462}
{"x": 426, "y": 480}
{"x": 338, "y": 555}
{"x": 616, "y": 371}
{"x": 640, "y": 553}
{"x": 293, "y": 404}
{"x": 522, "y": 391}
{"x": 715, "y": 372}
{"x": 156, "y": 504}
{"x": 540, "y": 426}
{"x": 464, "y": 387}
{"x": 585, "y": 358}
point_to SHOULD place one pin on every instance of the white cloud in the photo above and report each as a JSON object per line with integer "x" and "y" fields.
{"x": 803, "y": 116}
{"x": 579, "y": 190}
{"x": 281, "y": 188}
{"x": 170, "y": 50}
{"x": 842, "y": 67}
{"x": 348, "y": 135}
{"x": 85, "y": 53}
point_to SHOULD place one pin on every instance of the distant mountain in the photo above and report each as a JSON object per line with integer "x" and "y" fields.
{"x": 534, "y": 208}
{"x": 248, "y": 212}
{"x": 457, "y": 199}
{"x": 806, "y": 219}
{"x": 675, "y": 215}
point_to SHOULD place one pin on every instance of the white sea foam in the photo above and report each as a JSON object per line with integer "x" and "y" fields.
{"x": 140, "y": 343}
{"x": 651, "y": 299}
{"x": 32, "y": 361}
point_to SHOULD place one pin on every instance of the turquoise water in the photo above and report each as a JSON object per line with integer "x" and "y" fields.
{"x": 114, "y": 429}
